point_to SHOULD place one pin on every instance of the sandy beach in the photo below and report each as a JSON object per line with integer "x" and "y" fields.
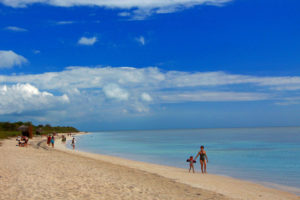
{"x": 40, "y": 172}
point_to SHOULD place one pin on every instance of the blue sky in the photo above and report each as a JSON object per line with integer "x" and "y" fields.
{"x": 150, "y": 64}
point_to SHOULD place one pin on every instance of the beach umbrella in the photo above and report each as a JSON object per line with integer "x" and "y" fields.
{"x": 23, "y": 128}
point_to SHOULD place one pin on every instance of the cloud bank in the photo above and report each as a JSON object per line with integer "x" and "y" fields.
{"x": 114, "y": 91}
{"x": 127, "y": 82}
{"x": 138, "y": 8}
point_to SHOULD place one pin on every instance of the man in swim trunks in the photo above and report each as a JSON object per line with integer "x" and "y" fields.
{"x": 203, "y": 158}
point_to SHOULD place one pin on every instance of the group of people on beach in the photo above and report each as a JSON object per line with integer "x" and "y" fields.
{"x": 64, "y": 139}
{"x": 203, "y": 160}
{"x": 22, "y": 141}
{"x": 51, "y": 140}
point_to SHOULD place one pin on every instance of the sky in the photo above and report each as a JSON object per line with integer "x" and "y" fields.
{"x": 150, "y": 64}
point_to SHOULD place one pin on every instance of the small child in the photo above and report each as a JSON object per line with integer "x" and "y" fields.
{"x": 191, "y": 161}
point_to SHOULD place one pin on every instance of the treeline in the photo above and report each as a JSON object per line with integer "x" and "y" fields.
{"x": 10, "y": 129}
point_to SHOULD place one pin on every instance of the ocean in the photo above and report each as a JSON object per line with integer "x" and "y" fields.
{"x": 264, "y": 155}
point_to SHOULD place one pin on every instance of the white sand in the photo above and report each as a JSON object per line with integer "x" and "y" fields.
{"x": 60, "y": 173}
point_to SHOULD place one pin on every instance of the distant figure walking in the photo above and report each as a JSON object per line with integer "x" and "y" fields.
{"x": 191, "y": 161}
{"x": 73, "y": 143}
{"x": 203, "y": 159}
{"x": 48, "y": 140}
{"x": 52, "y": 141}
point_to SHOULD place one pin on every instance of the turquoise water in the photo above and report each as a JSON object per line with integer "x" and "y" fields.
{"x": 256, "y": 154}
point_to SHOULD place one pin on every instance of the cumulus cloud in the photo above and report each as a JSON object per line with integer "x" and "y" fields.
{"x": 10, "y": 59}
{"x": 146, "y": 97}
{"x": 87, "y": 41}
{"x": 20, "y": 98}
{"x": 115, "y": 92}
{"x": 137, "y": 7}
{"x": 15, "y": 28}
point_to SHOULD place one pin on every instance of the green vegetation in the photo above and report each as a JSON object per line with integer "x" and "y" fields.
{"x": 8, "y": 129}
{"x": 6, "y": 134}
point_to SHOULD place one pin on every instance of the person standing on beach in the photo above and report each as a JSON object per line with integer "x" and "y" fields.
{"x": 48, "y": 140}
{"x": 203, "y": 158}
{"x": 73, "y": 143}
{"x": 52, "y": 141}
{"x": 63, "y": 139}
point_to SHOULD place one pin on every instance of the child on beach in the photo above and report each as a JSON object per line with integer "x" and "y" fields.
{"x": 191, "y": 161}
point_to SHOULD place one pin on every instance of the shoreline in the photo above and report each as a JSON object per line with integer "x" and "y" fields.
{"x": 221, "y": 184}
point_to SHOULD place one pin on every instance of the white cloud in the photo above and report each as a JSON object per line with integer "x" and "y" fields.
{"x": 65, "y": 22}
{"x": 124, "y": 14}
{"x": 148, "y": 78}
{"x": 115, "y": 92}
{"x": 10, "y": 59}
{"x": 87, "y": 41}
{"x": 287, "y": 87}
{"x": 141, "y": 40}
{"x": 107, "y": 90}
{"x": 21, "y": 98}
{"x": 219, "y": 96}
{"x": 288, "y": 101}
{"x": 15, "y": 28}
{"x": 138, "y": 7}
{"x": 146, "y": 97}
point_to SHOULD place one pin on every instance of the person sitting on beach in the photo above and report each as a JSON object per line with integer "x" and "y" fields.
{"x": 52, "y": 141}
{"x": 20, "y": 141}
{"x": 203, "y": 158}
{"x": 26, "y": 139}
{"x": 191, "y": 161}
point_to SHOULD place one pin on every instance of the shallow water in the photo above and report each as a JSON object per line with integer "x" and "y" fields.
{"x": 257, "y": 154}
